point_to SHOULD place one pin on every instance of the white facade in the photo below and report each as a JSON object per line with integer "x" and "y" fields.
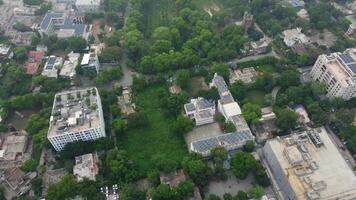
{"x": 76, "y": 116}
{"x": 338, "y": 72}
{"x": 91, "y": 60}
{"x": 201, "y": 110}
{"x": 294, "y": 36}
{"x": 88, "y": 5}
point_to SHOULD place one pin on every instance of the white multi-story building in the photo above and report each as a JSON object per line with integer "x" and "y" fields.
{"x": 338, "y": 72}
{"x": 88, "y": 5}
{"x": 77, "y": 115}
{"x": 91, "y": 61}
{"x": 201, "y": 110}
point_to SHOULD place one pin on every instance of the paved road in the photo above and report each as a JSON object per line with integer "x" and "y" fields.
{"x": 126, "y": 80}
{"x": 274, "y": 93}
{"x": 342, "y": 148}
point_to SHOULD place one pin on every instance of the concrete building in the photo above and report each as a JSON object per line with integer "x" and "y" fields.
{"x": 86, "y": 167}
{"x": 338, "y": 72}
{"x": 200, "y": 110}
{"x": 52, "y": 66}
{"x": 297, "y": 3}
{"x": 351, "y": 32}
{"x": 64, "y": 25}
{"x": 302, "y": 113}
{"x": 125, "y": 102}
{"x": 77, "y": 115}
{"x": 247, "y": 75}
{"x": 15, "y": 182}
{"x": 34, "y": 60}
{"x": 308, "y": 166}
{"x": 91, "y": 61}
{"x": 6, "y": 51}
{"x": 68, "y": 69}
{"x": 295, "y": 36}
{"x": 14, "y": 149}
{"x": 88, "y": 5}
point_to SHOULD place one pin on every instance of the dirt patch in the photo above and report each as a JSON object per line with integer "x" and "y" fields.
{"x": 326, "y": 39}
{"x": 197, "y": 83}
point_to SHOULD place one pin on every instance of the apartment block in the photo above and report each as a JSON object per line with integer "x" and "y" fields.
{"x": 338, "y": 72}
{"x": 77, "y": 115}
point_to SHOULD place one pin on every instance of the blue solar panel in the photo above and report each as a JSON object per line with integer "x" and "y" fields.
{"x": 352, "y": 67}
{"x": 346, "y": 58}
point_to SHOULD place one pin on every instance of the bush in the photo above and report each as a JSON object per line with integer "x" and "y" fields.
{"x": 29, "y": 166}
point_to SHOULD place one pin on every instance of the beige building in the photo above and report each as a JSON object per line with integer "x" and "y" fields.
{"x": 338, "y": 71}
{"x": 86, "y": 167}
{"x": 309, "y": 166}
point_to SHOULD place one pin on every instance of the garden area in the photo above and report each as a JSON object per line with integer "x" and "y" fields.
{"x": 156, "y": 139}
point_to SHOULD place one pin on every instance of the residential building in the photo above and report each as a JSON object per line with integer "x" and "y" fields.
{"x": 125, "y": 102}
{"x": 15, "y": 182}
{"x": 51, "y": 67}
{"x": 68, "y": 69}
{"x": 338, "y": 72}
{"x": 14, "y": 149}
{"x": 267, "y": 126}
{"x": 230, "y": 141}
{"x": 295, "y": 36}
{"x": 256, "y": 47}
{"x": 34, "y": 60}
{"x": 86, "y": 167}
{"x": 200, "y": 110}
{"x": 6, "y": 51}
{"x": 302, "y": 113}
{"x": 308, "y": 166}
{"x": 77, "y": 115}
{"x": 297, "y": 3}
{"x": 247, "y": 75}
{"x": 303, "y": 13}
{"x": 91, "y": 61}
{"x": 88, "y": 5}
{"x": 351, "y": 32}
{"x": 64, "y": 25}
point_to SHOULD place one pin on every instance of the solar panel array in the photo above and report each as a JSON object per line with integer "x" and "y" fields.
{"x": 204, "y": 103}
{"x": 189, "y": 107}
{"x": 50, "y": 63}
{"x": 220, "y": 84}
{"x": 231, "y": 141}
{"x": 349, "y": 61}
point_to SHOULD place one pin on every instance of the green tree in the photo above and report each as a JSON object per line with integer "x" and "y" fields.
{"x": 212, "y": 197}
{"x": 20, "y": 54}
{"x": 256, "y": 192}
{"x": 77, "y": 43}
{"x": 229, "y": 127}
{"x": 242, "y": 164}
{"x": 183, "y": 77}
{"x": 29, "y": 166}
{"x": 119, "y": 126}
{"x": 249, "y": 146}
{"x": 183, "y": 125}
{"x": 241, "y": 195}
{"x": 252, "y": 113}
{"x": 197, "y": 169}
{"x": 110, "y": 54}
{"x": 286, "y": 119}
{"x": 162, "y": 192}
{"x": 185, "y": 189}
{"x": 65, "y": 189}
{"x": 119, "y": 166}
{"x": 222, "y": 70}
{"x": 238, "y": 90}
{"x": 130, "y": 192}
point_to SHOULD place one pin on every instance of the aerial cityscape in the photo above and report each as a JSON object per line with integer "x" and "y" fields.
{"x": 178, "y": 100}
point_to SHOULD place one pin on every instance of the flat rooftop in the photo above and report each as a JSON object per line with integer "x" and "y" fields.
{"x": 317, "y": 170}
{"x": 74, "y": 111}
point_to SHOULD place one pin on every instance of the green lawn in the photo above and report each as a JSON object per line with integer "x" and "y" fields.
{"x": 143, "y": 143}
{"x": 255, "y": 97}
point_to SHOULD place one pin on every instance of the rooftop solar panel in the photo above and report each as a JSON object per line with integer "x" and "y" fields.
{"x": 346, "y": 58}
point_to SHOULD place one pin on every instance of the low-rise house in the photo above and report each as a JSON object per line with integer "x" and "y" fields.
{"x": 267, "y": 126}
{"x": 201, "y": 110}
{"x": 173, "y": 179}
{"x": 294, "y": 36}
{"x": 297, "y": 3}
{"x": 91, "y": 61}
{"x": 125, "y": 102}
{"x": 34, "y": 60}
{"x": 15, "y": 182}
{"x": 351, "y": 32}
{"x": 302, "y": 113}
{"x": 88, "y": 5}
{"x": 6, "y": 51}
{"x": 246, "y": 75}
{"x": 86, "y": 167}
{"x": 14, "y": 149}
{"x": 257, "y": 47}
{"x": 175, "y": 89}
{"x": 51, "y": 67}
{"x": 303, "y": 13}
{"x": 68, "y": 69}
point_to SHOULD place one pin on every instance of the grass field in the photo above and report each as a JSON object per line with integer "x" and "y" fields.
{"x": 255, "y": 97}
{"x": 143, "y": 143}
